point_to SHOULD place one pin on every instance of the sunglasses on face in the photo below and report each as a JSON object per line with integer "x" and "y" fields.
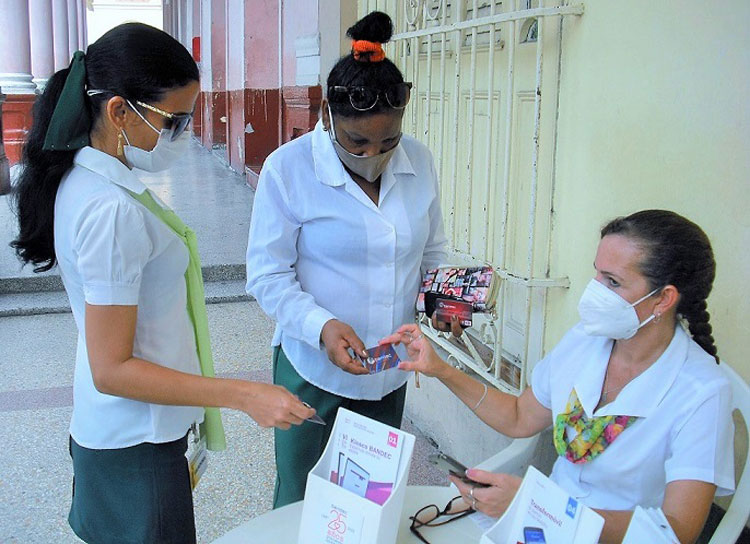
{"x": 365, "y": 98}
{"x": 176, "y": 122}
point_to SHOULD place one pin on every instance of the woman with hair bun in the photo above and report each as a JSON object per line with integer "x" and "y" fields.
{"x": 641, "y": 412}
{"x": 132, "y": 273}
{"x": 346, "y": 219}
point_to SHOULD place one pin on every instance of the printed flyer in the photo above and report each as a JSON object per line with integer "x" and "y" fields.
{"x": 365, "y": 458}
{"x": 543, "y": 513}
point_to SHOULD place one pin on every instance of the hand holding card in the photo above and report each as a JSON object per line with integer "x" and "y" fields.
{"x": 379, "y": 358}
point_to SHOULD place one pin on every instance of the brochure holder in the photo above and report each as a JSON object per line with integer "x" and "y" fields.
{"x": 332, "y": 514}
{"x": 540, "y": 512}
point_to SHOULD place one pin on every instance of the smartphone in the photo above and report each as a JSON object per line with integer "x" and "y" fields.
{"x": 533, "y": 535}
{"x": 452, "y": 467}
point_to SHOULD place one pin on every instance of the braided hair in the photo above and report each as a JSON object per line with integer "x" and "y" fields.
{"x": 676, "y": 252}
{"x": 350, "y": 72}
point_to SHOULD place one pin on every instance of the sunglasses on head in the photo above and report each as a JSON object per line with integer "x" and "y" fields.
{"x": 365, "y": 98}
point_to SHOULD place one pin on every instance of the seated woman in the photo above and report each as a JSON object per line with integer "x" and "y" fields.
{"x": 641, "y": 412}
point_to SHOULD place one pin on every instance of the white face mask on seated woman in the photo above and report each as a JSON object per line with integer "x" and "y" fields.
{"x": 605, "y": 313}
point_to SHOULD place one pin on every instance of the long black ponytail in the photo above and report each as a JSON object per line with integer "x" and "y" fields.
{"x": 133, "y": 60}
{"x": 34, "y": 195}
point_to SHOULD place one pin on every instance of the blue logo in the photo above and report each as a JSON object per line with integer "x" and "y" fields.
{"x": 570, "y": 510}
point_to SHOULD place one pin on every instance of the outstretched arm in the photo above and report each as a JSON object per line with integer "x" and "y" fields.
{"x": 513, "y": 416}
{"x": 110, "y": 331}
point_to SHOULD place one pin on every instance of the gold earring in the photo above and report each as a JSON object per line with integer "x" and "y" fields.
{"x": 120, "y": 150}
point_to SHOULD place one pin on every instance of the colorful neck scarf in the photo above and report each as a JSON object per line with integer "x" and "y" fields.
{"x": 593, "y": 434}
{"x": 211, "y": 427}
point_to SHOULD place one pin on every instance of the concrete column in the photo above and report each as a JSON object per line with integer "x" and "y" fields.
{"x": 166, "y": 7}
{"x": 42, "y": 42}
{"x": 84, "y": 30}
{"x": 60, "y": 33}
{"x": 15, "y": 48}
{"x": 188, "y": 16}
{"x": 80, "y": 11}
{"x": 5, "y": 186}
{"x": 72, "y": 27}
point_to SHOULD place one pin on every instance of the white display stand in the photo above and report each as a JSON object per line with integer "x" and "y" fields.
{"x": 541, "y": 511}
{"x": 334, "y": 515}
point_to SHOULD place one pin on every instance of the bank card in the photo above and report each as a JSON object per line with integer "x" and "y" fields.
{"x": 380, "y": 358}
{"x": 446, "y": 308}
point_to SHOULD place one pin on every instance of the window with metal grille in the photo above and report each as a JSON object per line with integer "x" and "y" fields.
{"x": 486, "y": 76}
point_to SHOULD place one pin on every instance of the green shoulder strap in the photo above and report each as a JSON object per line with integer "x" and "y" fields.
{"x": 212, "y": 427}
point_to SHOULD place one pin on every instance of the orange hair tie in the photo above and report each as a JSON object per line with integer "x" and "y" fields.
{"x": 361, "y": 48}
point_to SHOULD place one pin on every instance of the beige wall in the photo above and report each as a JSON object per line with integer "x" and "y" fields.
{"x": 654, "y": 114}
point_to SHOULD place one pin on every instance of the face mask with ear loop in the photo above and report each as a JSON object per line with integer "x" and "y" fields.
{"x": 605, "y": 313}
{"x": 369, "y": 168}
{"x": 164, "y": 154}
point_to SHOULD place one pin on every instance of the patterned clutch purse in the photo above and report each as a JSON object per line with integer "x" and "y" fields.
{"x": 476, "y": 285}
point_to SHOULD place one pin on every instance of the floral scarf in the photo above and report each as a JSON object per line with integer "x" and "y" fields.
{"x": 593, "y": 434}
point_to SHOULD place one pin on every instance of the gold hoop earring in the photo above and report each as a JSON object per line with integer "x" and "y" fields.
{"x": 120, "y": 146}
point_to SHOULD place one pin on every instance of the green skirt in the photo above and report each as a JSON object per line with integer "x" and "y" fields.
{"x": 132, "y": 495}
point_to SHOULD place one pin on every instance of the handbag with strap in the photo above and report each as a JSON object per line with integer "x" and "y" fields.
{"x": 477, "y": 285}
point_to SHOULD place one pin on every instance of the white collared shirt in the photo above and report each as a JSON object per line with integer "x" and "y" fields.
{"x": 112, "y": 251}
{"x": 684, "y": 429}
{"x": 320, "y": 249}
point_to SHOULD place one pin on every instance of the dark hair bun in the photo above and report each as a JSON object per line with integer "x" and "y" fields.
{"x": 374, "y": 27}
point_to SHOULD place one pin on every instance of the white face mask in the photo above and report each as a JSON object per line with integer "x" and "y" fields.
{"x": 164, "y": 154}
{"x": 370, "y": 167}
{"x": 605, "y": 313}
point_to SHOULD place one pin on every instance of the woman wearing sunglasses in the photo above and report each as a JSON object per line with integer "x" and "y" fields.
{"x": 641, "y": 413}
{"x": 132, "y": 274}
{"x": 345, "y": 220}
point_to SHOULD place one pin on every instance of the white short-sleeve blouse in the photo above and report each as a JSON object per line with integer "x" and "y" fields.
{"x": 113, "y": 251}
{"x": 684, "y": 429}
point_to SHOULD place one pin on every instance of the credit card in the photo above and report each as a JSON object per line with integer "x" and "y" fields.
{"x": 446, "y": 308}
{"x": 315, "y": 417}
{"x": 380, "y": 358}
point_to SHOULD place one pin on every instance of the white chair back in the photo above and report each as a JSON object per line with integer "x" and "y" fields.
{"x": 737, "y": 515}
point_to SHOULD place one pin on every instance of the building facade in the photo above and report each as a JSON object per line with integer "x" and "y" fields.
{"x": 38, "y": 38}
{"x": 262, "y": 63}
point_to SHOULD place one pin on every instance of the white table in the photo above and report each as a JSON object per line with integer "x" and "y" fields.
{"x": 282, "y": 525}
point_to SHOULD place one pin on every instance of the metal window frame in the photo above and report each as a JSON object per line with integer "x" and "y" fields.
{"x": 418, "y": 23}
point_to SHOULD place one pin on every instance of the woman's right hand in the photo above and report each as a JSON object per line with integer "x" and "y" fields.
{"x": 272, "y": 405}
{"x": 422, "y": 356}
{"x": 338, "y": 338}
